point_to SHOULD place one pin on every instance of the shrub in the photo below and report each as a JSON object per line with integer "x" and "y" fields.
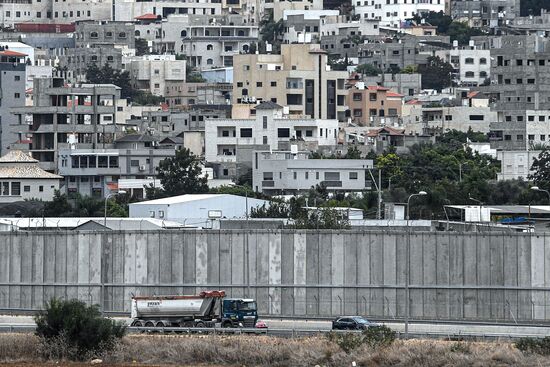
{"x": 534, "y": 345}
{"x": 374, "y": 337}
{"x": 71, "y": 329}
{"x": 379, "y": 336}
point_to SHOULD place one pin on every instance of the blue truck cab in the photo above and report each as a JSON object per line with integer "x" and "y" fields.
{"x": 239, "y": 311}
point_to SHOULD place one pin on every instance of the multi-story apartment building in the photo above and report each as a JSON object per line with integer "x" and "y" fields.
{"x": 97, "y": 43}
{"x": 341, "y": 36}
{"x": 12, "y": 89}
{"x": 516, "y": 164}
{"x": 287, "y": 172}
{"x": 278, "y": 7}
{"x": 160, "y": 75}
{"x": 519, "y": 88}
{"x": 472, "y": 66}
{"x": 374, "y": 105}
{"x": 406, "y": 84}
{"x": 228, "y": 142}
{"x": 63, "y": 116}
{"x": 485, "y": 13}
{"x": 53, "y": 11}
{"x": 399, "y": 53}
{"x": 95, "y": 172}
{"x": 129, "y": 10}
{"x": 393, "y": 12}
{"x": 207, "y": 41}
{"x": 299, "y": 78}
{"x": 303, "y": 26}
{"x": 530, "y": 24}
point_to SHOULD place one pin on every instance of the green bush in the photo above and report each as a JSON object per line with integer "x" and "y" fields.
{"x": 73, "y": 330}
{"x": 379, "y": 336}
{"x": 534, "y": 345}
{"x": 374, "y": 337}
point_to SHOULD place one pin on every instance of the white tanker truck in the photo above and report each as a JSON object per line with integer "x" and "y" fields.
{"x": 204, "y": 310}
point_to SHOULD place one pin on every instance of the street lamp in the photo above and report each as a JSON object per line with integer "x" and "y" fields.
{"x": 121, "y": 192}
{"x": 536, "y": 188}
{"x": 459, "y": 168}
{"x": 408, "y": 264}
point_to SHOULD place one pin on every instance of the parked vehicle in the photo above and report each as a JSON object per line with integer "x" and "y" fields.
{"x": 208, "y": 309}
{"x": 352, "y": 323}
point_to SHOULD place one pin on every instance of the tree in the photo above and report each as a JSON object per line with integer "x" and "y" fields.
{"x": 410, "y": 69}
{"x": 108, "y": 75}
{"x": 142, "y": 47}
{"x": 179, "y": 175}
{"x": 192, "y": 76}
{"x": 437, "y": 19}
{"x": 353, "y": 153}
{"x": 436, "y": 73}
{"x": 142, "y": 98}
{"x": 368, "y": 70}
{"x": 533, "y": 7}
{"x": 271, "y": 31}
{"x": 462, "y": 33}
{"x": 81, "y": 328}
{"x": 541, "y": 168}
{"x": 58, "y": 207}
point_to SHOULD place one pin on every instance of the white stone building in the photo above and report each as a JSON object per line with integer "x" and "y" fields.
{"x": 393, "y": 12}
{"x": 21, "y": 178}
{"x": 269, "y": 129}
{"x": 472, "y": 66}
{"x": 155, "y": 73}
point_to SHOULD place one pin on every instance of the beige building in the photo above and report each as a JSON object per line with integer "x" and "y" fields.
{"x": 374, "y": 105}
{"x": 299, "y": 79}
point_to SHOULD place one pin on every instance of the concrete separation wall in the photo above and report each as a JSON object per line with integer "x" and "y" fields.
{"x": 290, "y": 272}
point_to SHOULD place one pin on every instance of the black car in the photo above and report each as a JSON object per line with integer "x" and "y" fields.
{"x": 352, "y": 323}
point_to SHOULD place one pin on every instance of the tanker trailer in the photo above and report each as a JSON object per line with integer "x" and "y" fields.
{"x": 203, "y": 310}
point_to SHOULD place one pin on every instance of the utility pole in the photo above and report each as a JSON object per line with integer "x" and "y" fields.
{"x": 379, "y": 211}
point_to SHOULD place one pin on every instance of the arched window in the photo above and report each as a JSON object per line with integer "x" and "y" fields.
{"x": 183, "y": 33}
{"x": 110, "y": 58}
{"x": 483, "y": 74}
{"x": 246, "y": 48}
{"x": 137, "y": 33}
{"x": 209, "y": 62}
{"x": 469, "y": 60}
{"x": 122, "y": 35}
{"x": 94, "y": 35}
{"x": 209, "y": 47}
{"x": 240, "y": 33}
{"x": 470, "y": 74}
{"x": 483, "y": 61}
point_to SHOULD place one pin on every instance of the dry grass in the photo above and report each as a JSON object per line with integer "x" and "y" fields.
{"x": 267, "y": 351}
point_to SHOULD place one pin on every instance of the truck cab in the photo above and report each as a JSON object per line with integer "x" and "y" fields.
{"x": 239, "y": 311}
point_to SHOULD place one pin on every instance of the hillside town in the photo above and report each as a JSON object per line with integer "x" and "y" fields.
{"x": 337, "y": 104}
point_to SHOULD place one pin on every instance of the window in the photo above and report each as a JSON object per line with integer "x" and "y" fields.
{"x": 273, "y": 84}
{"x": 209, "y": 61}
{"x": 94, "y": 35}
{"x": 530, "y": 81}
{"x": 477, "y": 117}
{"x": 283, "y": 133}
{"x": 357, "y": 96}
{"x": 541, "y": 118}
{"x": 16, "y": 188}
{"x": 519, "y": 137}
{"x": 357, "y": 112}
{"x": 531, "y": 137}
{"x": 542, "y": 137}
{"x": 372, "y": 97}
{"x": 295, "y": 175}
{"x": 519, "y": 62}
{"x": 122, "y": 35}
{"x": 239, "y": 84}
{"x": 353, "y": 175}
{"x": 17, "y": 95}
{"x": 448, "y": 117}
{"x": 209, "y": 47}
{"x": 519, "y": 81}
{"x": 483, "y": 61}
{"x": 483, "y": 74}
{"x": 268, "y": 176}
{"x": 41, "y": 188}
{"x": 259, "y": 84}
{"x": 109, "y": 34}
{"x": 134, "y": 163}
{"x": 306, "y": 175}
{"x": 332, "y": 176}
{"x": 264, "y": 140}
{"x": 469, "y": 61}
{"x": 113, "y": 162}
{"x": 507, "y": 137}
{"x": 309, "y": 133}
{"x": 183, "y": 33}
{"x": 246, "y": 133}
{"x": 27, "y": 188}
{"x": 470, "y": 74}
{"x": 17, "y": 78}
{"x": 264, "y": 120}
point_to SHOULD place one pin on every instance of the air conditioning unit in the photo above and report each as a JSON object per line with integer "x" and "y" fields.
{"x": 142, "y": 168}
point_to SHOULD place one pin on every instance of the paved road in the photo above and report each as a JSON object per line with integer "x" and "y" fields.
{"x": 414, "y": 328}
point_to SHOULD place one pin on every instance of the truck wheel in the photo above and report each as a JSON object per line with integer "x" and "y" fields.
{"x": 199, "y": 324}
{"x": 227, "y": 324}
{"x": 151, "y": 325}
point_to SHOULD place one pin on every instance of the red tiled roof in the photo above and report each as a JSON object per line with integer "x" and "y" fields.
{"x": 389, "y": 130}
{"x": 472, "y": 94}
{"x": 413, "y": 101}
{"x": 147, "y": 16}
{"x": 12, "y": 53}
{"x": 393, "y": 94}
